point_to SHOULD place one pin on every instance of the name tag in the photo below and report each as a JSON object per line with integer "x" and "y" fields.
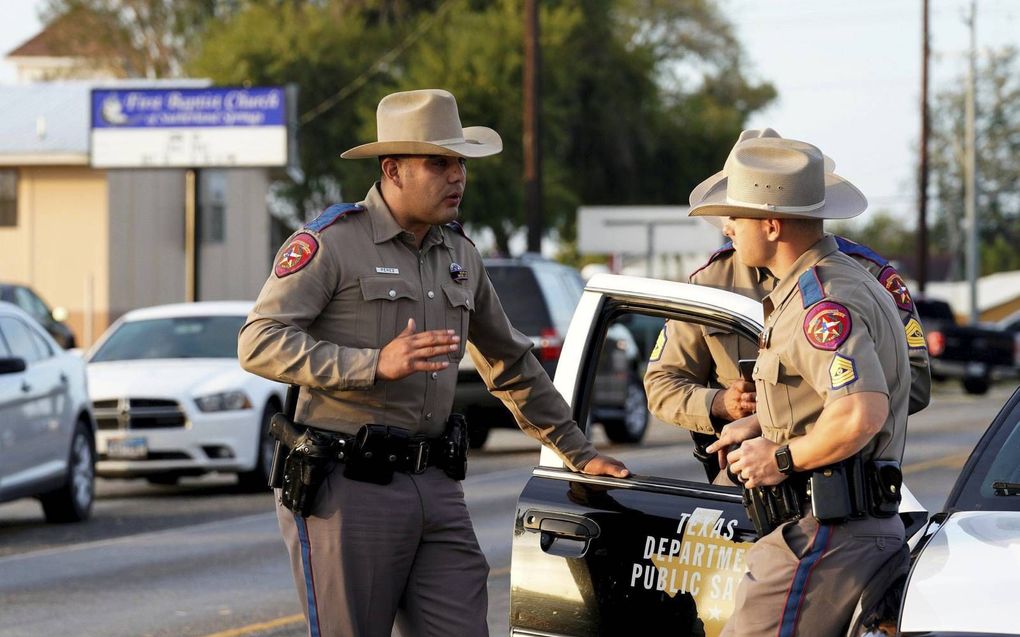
{"x": 387, "y": 270}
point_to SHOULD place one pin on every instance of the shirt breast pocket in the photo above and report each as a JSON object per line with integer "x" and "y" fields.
{"x": 766, "y": 379}
{"x": 459, "y": 305}
{"x": 379, "y": 318}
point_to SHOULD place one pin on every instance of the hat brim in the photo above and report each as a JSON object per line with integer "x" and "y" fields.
{"x": 842, "y": 201}
{"x": 479, "y": 141}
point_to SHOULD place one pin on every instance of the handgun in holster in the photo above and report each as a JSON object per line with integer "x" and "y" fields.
{"x": 455, "y": 444}
{"x": 768, "y": 507}
{"x": 282, "y": 447}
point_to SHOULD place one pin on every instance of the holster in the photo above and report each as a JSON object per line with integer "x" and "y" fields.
{"x": 311, "y": 456}
{"x": 455, "y": 445}
{"x": 377, "y": 449}
{"x": 769, "y": 507}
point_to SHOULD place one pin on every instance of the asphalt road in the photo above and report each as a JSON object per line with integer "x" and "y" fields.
{"x": 204, "y": 560}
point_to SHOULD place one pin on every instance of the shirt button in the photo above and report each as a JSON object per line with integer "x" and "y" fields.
{"x": 428, "y": 416}
{"x": 393, "y": 293}
{"x": 432, "y": 294}
{"x": 435, "y": 375}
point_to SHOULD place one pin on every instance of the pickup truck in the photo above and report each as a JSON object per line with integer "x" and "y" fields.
{"x": 596, "y": 555}
{"x": 976, "y": 354}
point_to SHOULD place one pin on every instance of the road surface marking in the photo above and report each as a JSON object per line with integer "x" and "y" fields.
{"x": 952, "y": 461}
{"x": 261, "y": 626}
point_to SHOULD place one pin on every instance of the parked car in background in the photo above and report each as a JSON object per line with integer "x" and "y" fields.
{"x": 975, "y": 354}
{"x": 47, "y": 431}
{"x": 171, "y": 399}
{"x": 591, "y": 554}
{"x": 539, "y": 297}
{"x": 51, "y": 320}
{"x": 1011, "y": 323}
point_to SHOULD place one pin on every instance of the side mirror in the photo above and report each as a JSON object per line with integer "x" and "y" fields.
{"x": 12, "y": 365}
{"x": 59, "y": 314}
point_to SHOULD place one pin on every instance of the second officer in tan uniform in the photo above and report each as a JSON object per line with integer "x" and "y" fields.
{"x": 369, "y": 309}
{"x": 693, "y": 379}
{"x": 832, "y": 379}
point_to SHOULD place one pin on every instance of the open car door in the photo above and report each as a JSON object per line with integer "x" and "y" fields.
{"x": 608, "y": 556}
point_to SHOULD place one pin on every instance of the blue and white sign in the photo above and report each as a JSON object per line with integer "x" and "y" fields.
{"x": 189, "y": 127}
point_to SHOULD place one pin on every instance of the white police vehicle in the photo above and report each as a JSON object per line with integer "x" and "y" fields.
{"x": 664, "y": 548}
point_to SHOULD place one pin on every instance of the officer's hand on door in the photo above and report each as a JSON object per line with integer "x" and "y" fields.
{"x": 603, "y": 465}
{"x": 409, "y": 352}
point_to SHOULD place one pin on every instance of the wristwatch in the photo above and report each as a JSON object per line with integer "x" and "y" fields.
{"x": 784, "y": 460}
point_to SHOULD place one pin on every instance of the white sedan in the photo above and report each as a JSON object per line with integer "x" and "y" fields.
{"x": 171, "y": 399}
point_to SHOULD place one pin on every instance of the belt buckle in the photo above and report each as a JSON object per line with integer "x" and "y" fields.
{"x": 419, "y": 456}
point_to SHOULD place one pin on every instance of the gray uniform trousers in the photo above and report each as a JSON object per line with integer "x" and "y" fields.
{"x": 805, "y": 578}
{"x": 370, "y": 554}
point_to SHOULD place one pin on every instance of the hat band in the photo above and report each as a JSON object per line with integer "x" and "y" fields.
{"x": 774, "y": 208}
{"x": 447, "y": 142}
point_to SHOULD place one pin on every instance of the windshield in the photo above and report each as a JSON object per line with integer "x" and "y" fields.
{"x": 181, "y": 337}
{"x": 991, "y": 481}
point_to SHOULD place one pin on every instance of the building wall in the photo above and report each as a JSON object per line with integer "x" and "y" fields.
{"x": 60, "y": 243}
{"x": 236, "y": 268}
{"x": 146, "y": 255}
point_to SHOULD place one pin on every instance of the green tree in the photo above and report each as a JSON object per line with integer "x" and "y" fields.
{"x": 997, "y": 125}
{"x": 883, "y": 233}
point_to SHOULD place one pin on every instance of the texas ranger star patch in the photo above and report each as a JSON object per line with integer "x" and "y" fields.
{"x": 915, "y": 334}
{"x": 893, "y": 282}
{"x": 827, "y": 325}
{"x": 842, "y": 371}
{"x": 296, "y": 255}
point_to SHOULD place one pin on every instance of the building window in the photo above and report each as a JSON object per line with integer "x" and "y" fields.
{"x": 212, "y": 193}
{"x": 8, "y": 198}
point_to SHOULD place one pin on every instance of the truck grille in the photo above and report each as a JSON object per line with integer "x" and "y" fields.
{"x": 138, "y": 413}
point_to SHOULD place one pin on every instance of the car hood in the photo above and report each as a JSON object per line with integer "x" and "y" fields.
{"x": 164, "y": 378}
{"x": 967, "y": 577}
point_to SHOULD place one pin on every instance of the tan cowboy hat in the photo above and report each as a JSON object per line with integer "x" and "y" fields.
{"x": 767, "y": 176}
{"x": 425, "y": 122}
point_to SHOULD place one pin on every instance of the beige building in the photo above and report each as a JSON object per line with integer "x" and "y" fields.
{"x": 102, "y": 242}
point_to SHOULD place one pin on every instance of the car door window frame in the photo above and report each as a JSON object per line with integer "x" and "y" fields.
{"x": 39, "y": 355}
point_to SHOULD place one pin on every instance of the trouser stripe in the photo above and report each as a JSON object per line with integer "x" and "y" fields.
{"x": 306, "y": 562}
{"x": 795, "y": 597}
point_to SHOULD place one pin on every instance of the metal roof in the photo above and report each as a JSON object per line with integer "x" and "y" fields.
{"x": 47, "y": 123}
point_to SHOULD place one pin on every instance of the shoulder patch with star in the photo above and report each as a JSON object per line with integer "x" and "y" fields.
{"x": 915, "y": 334}
{"x": 842, "y": 371}
{"x": 298, "y": 253}
{"x": 827, "y": 325}
{"x": 893, "y": 283}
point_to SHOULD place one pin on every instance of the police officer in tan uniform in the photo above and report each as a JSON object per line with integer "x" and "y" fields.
{"x": 369, "y": 309}
{"x": 832, "y": 380}
{"x": 693, "y": 379}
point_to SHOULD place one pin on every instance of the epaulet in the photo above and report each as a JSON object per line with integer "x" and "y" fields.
{"x": 846, "y": 246}
{"x": 331, "y": 215}
{"x": 459, "y": 229}
{"x": 725, "y": 249}
{"x": 810, "y": 286}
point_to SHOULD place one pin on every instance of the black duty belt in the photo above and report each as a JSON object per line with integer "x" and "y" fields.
{"x": 382, "y": 444}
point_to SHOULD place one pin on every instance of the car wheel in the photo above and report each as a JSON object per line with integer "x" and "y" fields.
{"x": 632, "y": 426}
{"x": 73, "y": 501}
{"x": 976, "y": 385}
{"x": 258, "y": 478}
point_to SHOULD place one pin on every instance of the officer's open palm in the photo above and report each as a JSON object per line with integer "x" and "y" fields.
{"x": 410, "y": 351}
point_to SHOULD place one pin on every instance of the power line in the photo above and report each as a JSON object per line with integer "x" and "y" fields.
{"x": 383, "y": 60}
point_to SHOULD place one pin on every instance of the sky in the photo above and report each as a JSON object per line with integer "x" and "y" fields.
{"x": 848, "y": 74}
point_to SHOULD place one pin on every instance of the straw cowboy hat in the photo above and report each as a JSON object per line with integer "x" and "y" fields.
{"x": 425, "y": 122}
{"x": 767, "y": 176}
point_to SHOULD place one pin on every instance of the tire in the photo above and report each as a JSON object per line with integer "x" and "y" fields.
{"x": 73, "y": 501}
{"x": 258, "y": 478}
{"x": 977, "y": 385}
{"x": 632, "y": 426}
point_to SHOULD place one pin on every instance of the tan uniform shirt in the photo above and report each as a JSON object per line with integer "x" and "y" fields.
{"x": 695, "y": 361}
{"x": 321, "y": 320}
{"x": 831, "y": 330}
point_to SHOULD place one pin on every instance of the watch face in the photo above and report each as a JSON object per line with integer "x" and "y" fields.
{"x": 783, "y": 459}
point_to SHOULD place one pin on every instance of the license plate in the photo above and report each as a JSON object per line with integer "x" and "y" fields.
{"x": 127, "y": 448}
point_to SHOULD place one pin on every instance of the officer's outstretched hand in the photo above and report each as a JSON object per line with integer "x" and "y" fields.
{"x": 732, "y": 435}
{"x": 736, "y": 401}
{"x": 603, "y": 465}
{"x": 409, "y": 352}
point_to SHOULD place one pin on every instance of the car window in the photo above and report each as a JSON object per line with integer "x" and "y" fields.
{"x": 561, "y": 294}
{"x": 181, "y": 337}
{"x": 615, "y": 401}
{"x": 32, "y": 304}
{"x": 521, "y": 298}
{"x": 5, "y": 351}
{"x": 41, "y": 344}
{"x": 20, "y": 339}
{"x": 997, "y": 461}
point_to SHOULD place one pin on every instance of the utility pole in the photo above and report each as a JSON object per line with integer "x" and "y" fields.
{"x": 922, "y": 182}
{"x": 970, "y": 169}
{"x": 532, "y": 133}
